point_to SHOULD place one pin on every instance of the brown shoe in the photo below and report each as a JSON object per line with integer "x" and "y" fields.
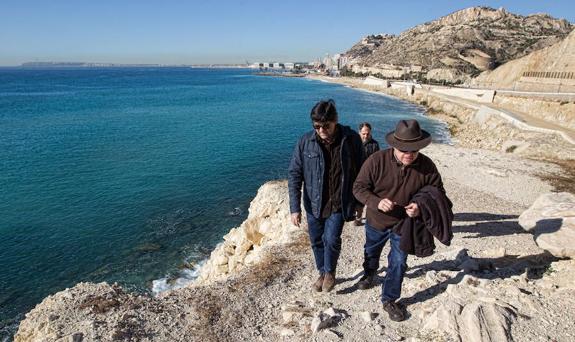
{"x": 317, "y": 285}
{"x": 328, "y": 282}
{"x": 395, "y": 311}
{"x": 366, "y": 282}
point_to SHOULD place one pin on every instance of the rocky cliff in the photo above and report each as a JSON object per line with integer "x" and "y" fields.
{"x": 267, "y": 225}
{"x": 103, "y": 312}
{"x": 459, "y": 45}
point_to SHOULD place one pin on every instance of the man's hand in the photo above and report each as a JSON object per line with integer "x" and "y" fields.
{"x": 358, "y": 212}
{"x": 296, "y": 219}
{"x": 412, "y": 210}
{"x": 385, "y": 205}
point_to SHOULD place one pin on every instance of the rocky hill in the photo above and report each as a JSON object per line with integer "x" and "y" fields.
{"x": 459, "y": 45}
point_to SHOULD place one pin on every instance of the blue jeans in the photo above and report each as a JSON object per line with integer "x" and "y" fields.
{"x": 325, "y": 238}
{"x": 396, "y": 260}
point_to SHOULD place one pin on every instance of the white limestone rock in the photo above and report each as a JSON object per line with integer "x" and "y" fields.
{"x": 552, "y": 221}
{"x": 495, "y": 253}
{"x": 434, "y": 277}
{"x": 456, "y": 254}
{"x": 295, "y": 312}
{"x": 285, "y": 332}
{"x": 321, "y": 321}
{"x": 326, "y": 319}
{"x": 367, "y": 316}
{"x": 514, "y": 146}
{"x": 268, "y": 224}
{"x": 469, "y": 313}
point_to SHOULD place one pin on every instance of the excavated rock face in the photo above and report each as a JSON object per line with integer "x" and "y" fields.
{"x": 468, "y": 41}
{"x": 525, "y": 73}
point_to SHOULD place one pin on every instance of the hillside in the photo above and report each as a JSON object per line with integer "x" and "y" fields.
{"x": 457, "y": 46}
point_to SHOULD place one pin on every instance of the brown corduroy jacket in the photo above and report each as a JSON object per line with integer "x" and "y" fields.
{"x": 383, "y": 176}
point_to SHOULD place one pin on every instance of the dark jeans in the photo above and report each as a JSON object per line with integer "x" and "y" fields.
{"x": 396, "y": 260}
{"x": 325, "y": 238}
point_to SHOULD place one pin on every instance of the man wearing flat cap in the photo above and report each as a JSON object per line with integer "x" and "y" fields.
{"x": 386, "y": 184}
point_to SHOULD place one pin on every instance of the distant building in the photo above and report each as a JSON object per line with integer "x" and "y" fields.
{"x": 342, "y": 62}
{"x": 273, "y": 65}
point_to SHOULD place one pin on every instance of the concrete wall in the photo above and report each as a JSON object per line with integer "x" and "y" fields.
{"x": 545, "y": 84}
{"x": 479, "y": 95}
{"x": 557, "y": 112}
{"x": 377, "y": 82}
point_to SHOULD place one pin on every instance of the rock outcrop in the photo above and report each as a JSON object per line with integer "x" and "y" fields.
{"x": 552, "y": 220}
{"x": 469, "y": 313}
{"x": 268, "y": 224}
{"x": 459, "y": 45}
{"x": 93, "y": 312}
{"x": 99, "y": 312}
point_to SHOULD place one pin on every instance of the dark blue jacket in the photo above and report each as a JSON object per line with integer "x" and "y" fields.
{"x": 307, "y": 168}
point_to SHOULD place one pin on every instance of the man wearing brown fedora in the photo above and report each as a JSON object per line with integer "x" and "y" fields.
{"x": 386, "y": 184}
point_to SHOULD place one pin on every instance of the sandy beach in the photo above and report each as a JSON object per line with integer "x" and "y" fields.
{"x": 493, "y": 283}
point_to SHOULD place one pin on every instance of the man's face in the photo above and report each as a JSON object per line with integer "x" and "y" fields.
{"x": 365, "y": 134}
{"x": 325, "y": 130}
{"x": 405, "y": 157}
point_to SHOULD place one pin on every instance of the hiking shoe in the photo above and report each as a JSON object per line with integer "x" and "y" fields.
{"x": 317, "y": 285}
{"x": 366, "y": 282}
{"x": 328, "y": 282}
{"x": 395, "y": 311}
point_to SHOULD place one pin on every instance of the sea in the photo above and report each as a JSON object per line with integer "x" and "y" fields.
{"x": 133, "y": 175}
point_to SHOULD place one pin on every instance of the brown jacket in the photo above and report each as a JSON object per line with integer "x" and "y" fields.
{"x": 383, "y": 176}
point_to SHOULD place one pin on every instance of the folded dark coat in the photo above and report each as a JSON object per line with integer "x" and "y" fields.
{"x": 434, "y": 220}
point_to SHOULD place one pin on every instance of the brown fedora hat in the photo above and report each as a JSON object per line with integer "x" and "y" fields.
{"x": 408, "y": 136}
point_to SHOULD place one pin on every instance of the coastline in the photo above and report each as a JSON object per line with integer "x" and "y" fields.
{"x": 466, "y": 121}
{"x": 472, "y": 127}
{"x": 255, "y": 284}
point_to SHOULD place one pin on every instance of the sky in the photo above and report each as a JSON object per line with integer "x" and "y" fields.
{"x": 200, "y": 32}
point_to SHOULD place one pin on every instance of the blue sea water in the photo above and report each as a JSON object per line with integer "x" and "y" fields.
{"x": 130, "y": 175}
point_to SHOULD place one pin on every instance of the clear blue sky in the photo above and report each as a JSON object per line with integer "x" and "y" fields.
{"x": 174, "y": 32}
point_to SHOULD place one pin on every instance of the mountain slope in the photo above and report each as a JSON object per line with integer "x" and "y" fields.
{"x": 465, "y": 42}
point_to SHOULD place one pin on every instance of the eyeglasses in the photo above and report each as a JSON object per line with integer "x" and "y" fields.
{"x": 324, "y": 125}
